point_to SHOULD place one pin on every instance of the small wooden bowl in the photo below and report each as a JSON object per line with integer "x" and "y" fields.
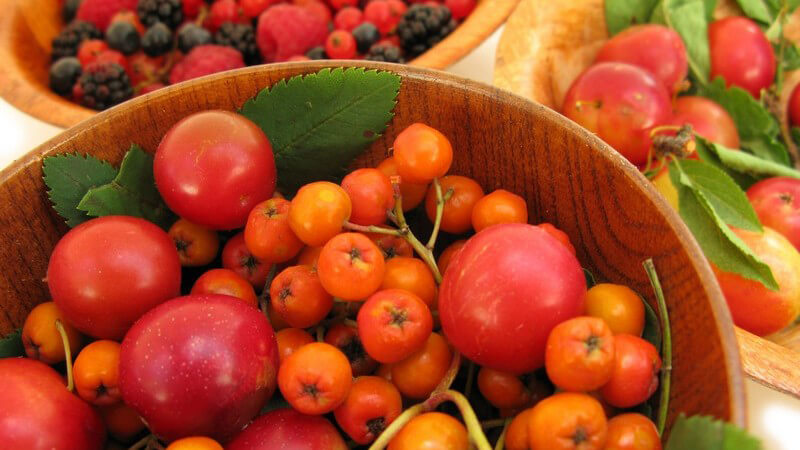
{"x": 569, "y": 177}
{"x": 27, "y": 28}
{"x": 544, "y": 47}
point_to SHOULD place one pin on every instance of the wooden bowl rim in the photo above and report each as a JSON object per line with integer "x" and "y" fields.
{"x": 700, "y": 264}
{"x": 38, "y": 101}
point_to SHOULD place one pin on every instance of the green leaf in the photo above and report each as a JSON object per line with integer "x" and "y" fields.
{"x": 69, "y": 177}
{"x": 652, "y": 326}
{"x": 132, "y": 193}
{"x": 319, "y": 123}
{"x": 796, "y": 135}
{"x": 791, "y": 56}
{"x": 720, "y": 245}
{"x": 751, "y": 165}
{"x": 763, "y": 11}
{"x": 725, "y": 196}
{"x": 758, "y": 129}
{"x": 688, "y": 18}
{"x": 11, "y": 345}
{"x": 590, "y": 281}
{"x": 621, "y": 14}
{"x": 707, "y": 154}
{"x": 706, "y": 433}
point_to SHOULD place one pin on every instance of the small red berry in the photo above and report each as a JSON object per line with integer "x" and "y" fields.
{"x": 144, "y": 67}
{"x": 348, "y": 18}
{"x": 340, "y": 45}
{"x": 88, "y": 50}
{"x": 223, "y": 11}
{"x": 252, "y": 8}
{"x": 319, "y": 9}
{"x": 115, "y": 57}
{"x": 385, "y": 15}
{"x": 339, "y": 4}
{"x": 191, "y": 8}
{"x": 460, "y": 8}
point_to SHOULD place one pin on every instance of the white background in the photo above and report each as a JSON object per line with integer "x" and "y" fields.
{"x": 772, "y": 415}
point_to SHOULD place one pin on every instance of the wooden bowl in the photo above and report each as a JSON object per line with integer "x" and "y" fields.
{"x": 569, "y": 177}
{"x": 27, "y": 28}
{"x": 545, "y": 46}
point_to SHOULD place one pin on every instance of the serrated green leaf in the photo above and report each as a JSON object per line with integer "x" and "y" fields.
{"x": 652, "y": 326}
{"x": 725, "y": 196}
{"x": 720, "y": 245}
{"x": 69, "y": 177}
{"x": 763, "y": 11}
{"x": 11, "y": 345}
{"x": 319, "y": 123}
{"x": 706, "y": 433}
{"x": 621, "y": 14}
{"x": 751, "y": 165}
{"x": 688, "y": 18}
{"x": 132, "y": 193}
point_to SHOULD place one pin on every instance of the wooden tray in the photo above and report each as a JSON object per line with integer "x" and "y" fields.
{"x": 568, "y": 176}
{"x": 544, "y": 47}
{"x": 27, "y": 28}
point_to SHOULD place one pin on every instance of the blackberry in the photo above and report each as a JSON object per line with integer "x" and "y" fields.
{"x": 423, "y": 26}
{"x": 242, "y": 38}
{"x": 103, "y": 85}
{"x": 68, "y": 41}
{"x": 157, "y": 40}
{"x": 365, "y": 35}
{"x": 70, "y": 9}
{"x": 317, "y": 52}
{"x": 169, "y": 12}
{"x": 191, "y": 35}
{"x": 123, "y": 36}
{"x": 63, "y": 74}
{"x": 385, "y": 53}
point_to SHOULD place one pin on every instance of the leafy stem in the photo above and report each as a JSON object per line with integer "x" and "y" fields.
{"x": 666, "y": 345}
{"x": 67, "y": 354}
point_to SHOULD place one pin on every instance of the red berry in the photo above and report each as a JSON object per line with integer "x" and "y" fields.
{"x": 339, "y": 4}
{"x": 191, "y": 8}
{"x": 88, "y": 50}
{"x": 130, "y": 17}
{"x": 348, "y": 18}
{"x": 299, "y": 58}
{"x": 143, "y": 67}
{"x": 252, "y": 8}
{"x": 385, "y": 15}
{"x": 223, "y": 11}
{"x": 115, "y": 57}
{"x": 460, "y": 8}
{"x": 340, "y": 45}
{"x": 319, "y": 9}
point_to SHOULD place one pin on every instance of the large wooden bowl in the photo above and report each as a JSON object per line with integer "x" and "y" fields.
{"x": 570, "y": 178}
{"x": 27, "y": 28}
{"x": 545, "y": 46}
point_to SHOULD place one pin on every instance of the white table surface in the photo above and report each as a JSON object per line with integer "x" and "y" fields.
{"x": 772, "y": 416}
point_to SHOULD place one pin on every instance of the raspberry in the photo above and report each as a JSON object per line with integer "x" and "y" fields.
{"x": 340, "y": 45}
{"x": 100, "y": 12}
{"x": 89, "y": 50}
{"x": 143, "y": 67}
{"x": 384, "y": 15}
{"x": 223, "y": 11}
{"x": 112, "y": 56}
{"x": 252, "y": 8}
{"x": 339, "y": 4}
{"x": 168, "y": 12}
{"x": 460, "y": 8}
{"x": 385, "y": 53}
{"x": 287, "y": 30}
{"x": 130, "y": 17}
{"x": 103, "y": 85}
{"x": 320, "y": 10}
{"x": 63, "y": 75}
{"x": 348, "y": 19}
{"x": 205, "y": 60}
{"x": 423, "y": 27}
{"x": 191, "y": 8}
{"x": 242, "y": 38}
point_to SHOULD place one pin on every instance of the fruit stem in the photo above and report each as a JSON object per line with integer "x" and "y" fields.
{"x": 141, "y": 443}
{"x": 470, "y": 419}
{"x": 666, "y": 345}
{"x": 494, "y": 423}
{"x": 371, "y": 229}
{"x": 450, "y": 375}
{"x": 501, "y": 441}
{"x": 470, "y": 379}
{"x": 391, "y": 431}
{"x": 67, "y": 354}
{"x": 440, "y": 201}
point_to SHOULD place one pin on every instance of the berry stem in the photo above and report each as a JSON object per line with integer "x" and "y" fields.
{"x": 67, "y": 354}
{"x": 371, "y": 229}
{"x": 450, "y": 375}
{"x": 501, "y": 441}
{"x": 471, "y": 420}
{"x": 493, "y": 423}
{"x": 440, "y": 201}
{"x": 470, "y": 379}
{"x": 666, "y": 345}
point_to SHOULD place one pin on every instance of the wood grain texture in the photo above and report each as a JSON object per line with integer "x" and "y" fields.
{"x": 546, "y": 45}
{"x": 27, "y": 28}
{"x": 568, "y": 176}
{"x": 769, "y": 363}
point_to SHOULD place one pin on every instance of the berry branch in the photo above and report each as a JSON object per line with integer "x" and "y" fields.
{"x": 666, "y": 345}
{"x": 440, "y": 201}
{"x": 67, "y": 354}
